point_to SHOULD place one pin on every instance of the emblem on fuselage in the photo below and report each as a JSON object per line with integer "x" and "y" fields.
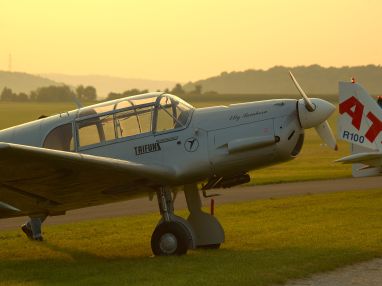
{"x": 191, "y": 144}
{"x": 147, "y": 148}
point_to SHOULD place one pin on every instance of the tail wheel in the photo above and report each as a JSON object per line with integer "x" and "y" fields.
{"x": 170, "y": 238}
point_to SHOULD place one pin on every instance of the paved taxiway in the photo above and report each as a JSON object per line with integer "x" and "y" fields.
{"x": 367, "y": 273}
{"x": 238, "y": 194}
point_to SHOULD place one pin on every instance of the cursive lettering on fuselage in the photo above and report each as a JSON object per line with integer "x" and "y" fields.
{"x": 247, "y": 115}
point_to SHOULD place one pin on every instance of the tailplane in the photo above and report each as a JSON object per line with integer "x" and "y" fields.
{"x": 368, "y": 163}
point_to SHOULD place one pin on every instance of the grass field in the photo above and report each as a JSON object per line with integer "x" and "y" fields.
{"x": 315, "y": 161}
{"x": 267, "y": 242}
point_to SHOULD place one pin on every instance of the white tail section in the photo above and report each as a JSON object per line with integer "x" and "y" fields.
{"x": 360, "y": 119}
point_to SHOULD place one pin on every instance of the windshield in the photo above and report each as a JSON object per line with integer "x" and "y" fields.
{"x": 172, "y": 113}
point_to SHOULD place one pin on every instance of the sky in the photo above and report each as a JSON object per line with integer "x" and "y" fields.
{"x": 186, "y": 40}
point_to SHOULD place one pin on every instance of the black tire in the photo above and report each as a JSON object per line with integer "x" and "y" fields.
{"x": 174, "y": 231}
{"x": 210, "y": 246}
{"x": 27, "y": 230}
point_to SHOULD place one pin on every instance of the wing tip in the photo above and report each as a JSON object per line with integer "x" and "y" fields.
{"x": 4, "y": 145}
{"x": 8, "y": 207}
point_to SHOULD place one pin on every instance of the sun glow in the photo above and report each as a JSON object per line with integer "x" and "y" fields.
{"x": 185, "y": 40}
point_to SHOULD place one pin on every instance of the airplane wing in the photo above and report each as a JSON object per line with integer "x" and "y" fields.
{"x": 370, "y": 158}
{"x": 42, "y": 181}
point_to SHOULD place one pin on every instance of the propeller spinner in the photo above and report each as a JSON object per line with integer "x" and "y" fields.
{"x": 314, "y": 112}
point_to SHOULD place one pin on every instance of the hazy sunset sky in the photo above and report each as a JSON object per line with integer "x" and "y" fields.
{"x": 186, "y": 40}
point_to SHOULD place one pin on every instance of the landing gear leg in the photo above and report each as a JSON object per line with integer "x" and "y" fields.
{"x": 173, "y": 235}
{"x": 209, "y": 232}
{"x": 32, "y": 228}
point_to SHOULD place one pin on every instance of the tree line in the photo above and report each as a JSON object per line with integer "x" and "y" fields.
{"x": 61, "y": 93}
{"x": 176, "y": 90}
{"x": 316, "y": 80}
{"x": 51, "y": 94}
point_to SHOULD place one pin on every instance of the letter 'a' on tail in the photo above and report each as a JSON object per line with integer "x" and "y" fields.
{"x": 360, "y": 119}
{"x": 360, "y": 123}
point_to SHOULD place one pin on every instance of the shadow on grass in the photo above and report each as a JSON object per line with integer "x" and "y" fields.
{"x": 200, "y": 267}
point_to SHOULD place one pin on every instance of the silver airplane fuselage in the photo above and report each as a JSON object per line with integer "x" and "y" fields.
{"x": 216, "y": 141}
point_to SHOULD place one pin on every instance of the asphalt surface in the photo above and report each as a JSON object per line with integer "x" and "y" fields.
{"x": 362, "y": 274}
{"x": 237, "y": 194}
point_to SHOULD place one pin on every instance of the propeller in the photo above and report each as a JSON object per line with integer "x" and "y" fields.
{"x": 308, "y": 103}
{"x": 326, "y": 135}
{"x": 314, "y": 112}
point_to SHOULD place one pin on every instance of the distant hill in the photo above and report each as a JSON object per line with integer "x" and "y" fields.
{"x": 23, "y": 82}
{"x": 107, "y": 84}
{"x": 314, "y": 79}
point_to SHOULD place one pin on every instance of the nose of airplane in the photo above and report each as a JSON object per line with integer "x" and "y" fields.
{"x": 322, "y": 111}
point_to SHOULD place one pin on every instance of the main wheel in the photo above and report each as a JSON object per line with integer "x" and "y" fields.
{"x": 170, "y": 238}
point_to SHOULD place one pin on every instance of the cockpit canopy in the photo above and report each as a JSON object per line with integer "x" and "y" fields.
{"x": 127, "y": 117}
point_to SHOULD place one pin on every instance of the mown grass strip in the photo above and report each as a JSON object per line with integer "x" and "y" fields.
{"x": 267, "y": 242}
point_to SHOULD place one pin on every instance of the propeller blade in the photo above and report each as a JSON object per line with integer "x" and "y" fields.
{"x": 326, "y": 135}
{"x": 308, "y": 104}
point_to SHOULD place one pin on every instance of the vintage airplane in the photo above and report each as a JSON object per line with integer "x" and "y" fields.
{"x": 360, "y": 123}
{"x": 146, "y": 145}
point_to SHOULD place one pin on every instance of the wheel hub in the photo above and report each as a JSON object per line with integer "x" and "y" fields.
{"x": 168, "y": 243}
